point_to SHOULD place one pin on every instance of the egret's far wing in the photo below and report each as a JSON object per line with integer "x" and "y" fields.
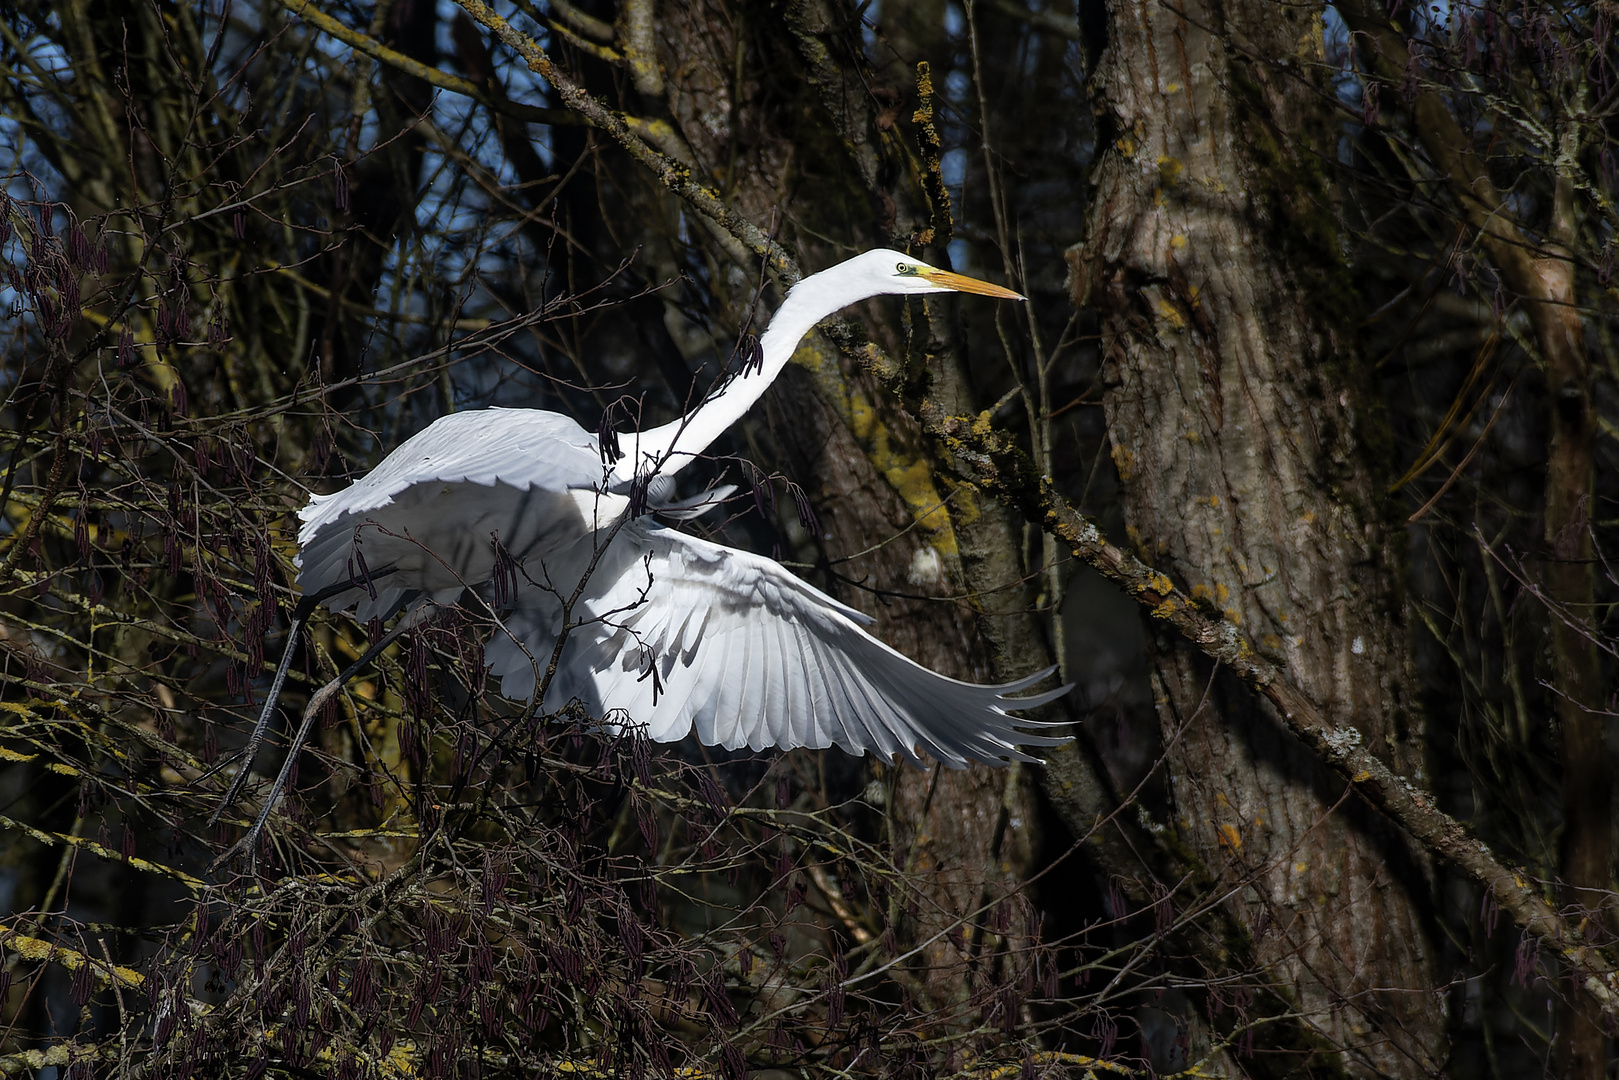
{"x": 432, "y": 509}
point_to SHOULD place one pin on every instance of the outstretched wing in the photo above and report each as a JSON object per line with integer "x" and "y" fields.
{"x": 432, "y": 509}
{"x": 685, "y": 634}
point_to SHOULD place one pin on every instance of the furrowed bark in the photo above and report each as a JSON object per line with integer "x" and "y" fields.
{"x": 1239, "y": 420}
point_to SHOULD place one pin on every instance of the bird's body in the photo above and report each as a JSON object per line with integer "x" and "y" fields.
{"x": 663, "y": 629}
{"x": 670, "y": 631}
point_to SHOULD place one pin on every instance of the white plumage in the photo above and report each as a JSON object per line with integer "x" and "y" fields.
{"x": 666, "y": 630}
{"x": 431, "y": 510}
{"x": 678, "y": 633}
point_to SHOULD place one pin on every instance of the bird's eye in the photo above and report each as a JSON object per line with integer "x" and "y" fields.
{"x": 905, "y": 270}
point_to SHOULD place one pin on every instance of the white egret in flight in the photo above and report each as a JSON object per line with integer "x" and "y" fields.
{"x": 663, "y": 629}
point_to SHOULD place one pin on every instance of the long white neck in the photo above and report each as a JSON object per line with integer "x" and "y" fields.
{"x": 669, "y": 448}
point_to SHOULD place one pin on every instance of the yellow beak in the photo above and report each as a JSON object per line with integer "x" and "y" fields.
{"x": 961, "y": 283}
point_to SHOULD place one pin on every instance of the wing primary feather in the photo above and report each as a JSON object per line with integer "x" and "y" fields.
{"x": 816, "y": 706}
{"x": 717, "y": 667}
{"x": 913, "y": 728}
{"x": 842, "y": 705}
{"x": 1003, "y": 689}
{"x": 855, "y": 718}
{"x": 779, "y": 719}
{"x": 1034, "y": 701}
{"x": 876, "y": 737}
{"x": 878, "y": 713}
{"x": 742, "y": 728}
{"x": 857, "y": 735}
{"x": 799, "y": 712}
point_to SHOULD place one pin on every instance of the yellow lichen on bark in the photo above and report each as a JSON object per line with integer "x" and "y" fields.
{"x": 911, "y": 476}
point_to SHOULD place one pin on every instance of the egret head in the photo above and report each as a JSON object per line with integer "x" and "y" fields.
{"x": 883, "y": 272}
{"x": 908, "y": 275}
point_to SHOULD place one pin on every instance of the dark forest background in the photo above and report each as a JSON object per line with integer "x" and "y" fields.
{"x": 1300, "y": 462}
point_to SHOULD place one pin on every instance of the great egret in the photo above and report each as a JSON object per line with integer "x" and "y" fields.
{"x": 663, "y": 629}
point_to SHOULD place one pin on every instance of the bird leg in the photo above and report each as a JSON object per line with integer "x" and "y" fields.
{"x": 300, "y": 616}
{"x": 256, "y": 739}
{"x": 317, "y": 701}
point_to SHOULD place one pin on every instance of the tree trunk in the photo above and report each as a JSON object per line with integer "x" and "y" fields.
{"x": 1242, "y": 430}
